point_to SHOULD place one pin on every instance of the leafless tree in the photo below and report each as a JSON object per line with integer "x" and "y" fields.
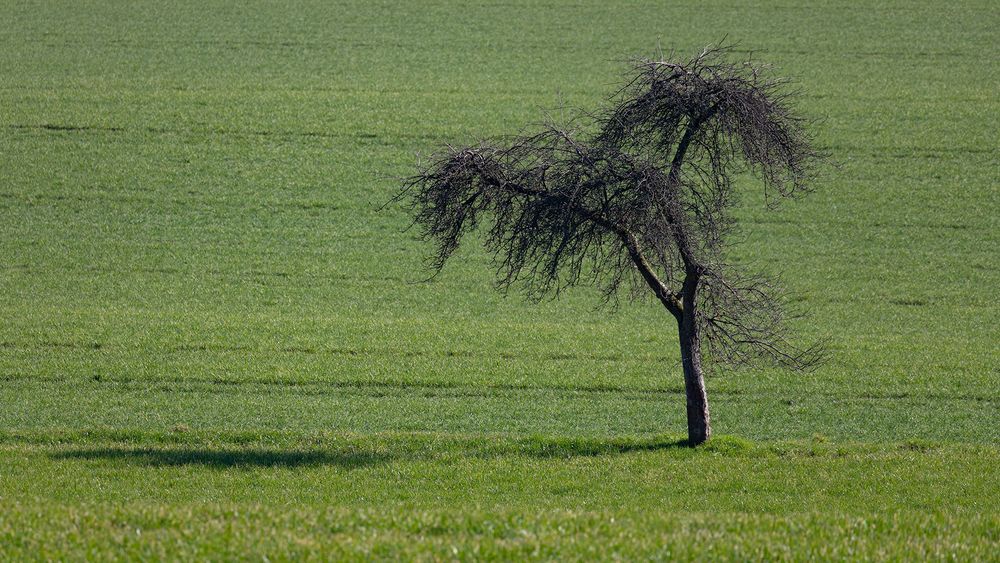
{"x": 639, "y": 196}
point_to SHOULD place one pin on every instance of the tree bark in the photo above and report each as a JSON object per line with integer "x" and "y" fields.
{"x": 699, "y": 423}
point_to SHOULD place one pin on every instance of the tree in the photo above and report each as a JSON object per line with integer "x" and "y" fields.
{"x": 639, "y": 196}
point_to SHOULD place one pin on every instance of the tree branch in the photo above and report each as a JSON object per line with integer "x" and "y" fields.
{"x": 631, "y": 242}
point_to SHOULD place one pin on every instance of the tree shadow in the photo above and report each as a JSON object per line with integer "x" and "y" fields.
{"x": 360, "y": 451}
{"x": 224, "y": 458}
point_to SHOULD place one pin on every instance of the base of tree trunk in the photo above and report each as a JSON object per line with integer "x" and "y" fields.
{"x": 699, "y": 430}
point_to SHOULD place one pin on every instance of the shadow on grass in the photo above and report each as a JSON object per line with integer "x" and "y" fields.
{"x": 364, "y": 451}
{"x": 225, "y": 458}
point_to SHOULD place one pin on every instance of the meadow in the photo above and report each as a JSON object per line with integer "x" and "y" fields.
{"x": 216, "y": 341}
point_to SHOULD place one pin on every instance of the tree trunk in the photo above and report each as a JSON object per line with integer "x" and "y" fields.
{"x": 699, "y": 425}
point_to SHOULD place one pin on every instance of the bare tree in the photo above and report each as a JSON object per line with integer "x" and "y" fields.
{"x": 639, "y": 196}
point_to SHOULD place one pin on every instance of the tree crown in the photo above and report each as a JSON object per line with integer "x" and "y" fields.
{"x": 640, "y": 196}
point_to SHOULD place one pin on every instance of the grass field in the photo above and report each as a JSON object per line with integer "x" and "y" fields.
{"x": 214, "y": 344}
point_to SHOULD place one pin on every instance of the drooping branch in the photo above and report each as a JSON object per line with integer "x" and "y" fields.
{"x": 538, "y": 223}
{"x": 744, "y": 319}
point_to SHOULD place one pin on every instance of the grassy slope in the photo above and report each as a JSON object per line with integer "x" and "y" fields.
{"x": 189, "y": 236}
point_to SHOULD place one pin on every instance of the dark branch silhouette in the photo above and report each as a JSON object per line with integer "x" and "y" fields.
{"x": 639, "y": 197}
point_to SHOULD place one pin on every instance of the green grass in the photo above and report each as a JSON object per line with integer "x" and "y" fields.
{"x": 211, "y": 334}
{"x": 419, "y": 495}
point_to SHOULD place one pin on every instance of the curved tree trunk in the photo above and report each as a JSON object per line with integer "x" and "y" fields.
{"x": 699, "y": 424}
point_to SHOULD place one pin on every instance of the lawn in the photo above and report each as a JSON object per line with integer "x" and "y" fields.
{"x": 216, "y": 343}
